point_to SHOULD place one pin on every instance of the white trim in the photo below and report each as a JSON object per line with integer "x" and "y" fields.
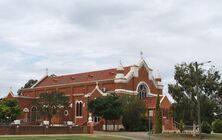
{"x": 66, "y": 113}
{"x": 162, "y": 99}
{"x": 98, "y": 89}
{"x": 78, "y": 94}
{"x": 26, "y": 110}
{"x": 144, "y": 83}
{"x": 33, "y": 107}
{"x": 134, "y": 72}
{"x": 78, "y": 101}
{"x": 126, "y": 91}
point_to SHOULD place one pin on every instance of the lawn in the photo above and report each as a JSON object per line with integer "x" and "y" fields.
{"x": 188, "y": 137}
{"x": 73, "y": 137}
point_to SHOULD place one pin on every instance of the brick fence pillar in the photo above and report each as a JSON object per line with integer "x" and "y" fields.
{"x": 17, "y": 127}
{"x": 90, "y": 128}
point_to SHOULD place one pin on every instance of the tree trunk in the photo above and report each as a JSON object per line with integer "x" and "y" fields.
{"x": 114, "y": 123}
{"x": 105, "y": 124}
{"x": 50, "y": 120}
{"x": 194, "y": 129}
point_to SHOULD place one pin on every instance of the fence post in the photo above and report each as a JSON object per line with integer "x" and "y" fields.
{"x": 90, "y": 128}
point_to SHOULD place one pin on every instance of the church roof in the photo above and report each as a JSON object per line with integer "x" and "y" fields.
{"x": 150, "y": 102}
{"x": 80, "y": 77}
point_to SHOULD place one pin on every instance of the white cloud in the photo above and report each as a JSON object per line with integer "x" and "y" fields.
{"x": 80, "y": 35}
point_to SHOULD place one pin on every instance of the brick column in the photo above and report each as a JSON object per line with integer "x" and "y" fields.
{"x": 90, "y": 128}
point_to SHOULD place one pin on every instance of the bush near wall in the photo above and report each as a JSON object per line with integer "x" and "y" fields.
{"x": 217, "y": 126}
{"x": 206, "y": 127}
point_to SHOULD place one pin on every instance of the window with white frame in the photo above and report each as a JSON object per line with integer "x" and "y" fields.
{"x": 79, "y": 108}
{"x": 142, "y": 91}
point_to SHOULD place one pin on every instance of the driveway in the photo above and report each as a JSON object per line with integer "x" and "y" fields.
{"x": 129, "y": 135}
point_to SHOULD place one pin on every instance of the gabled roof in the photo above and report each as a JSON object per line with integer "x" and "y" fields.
{"x": 11, "y": 95}
{"x": 80, "y": 77}
{"x": 96, "y": 89}
{"x": 150, "y": 102}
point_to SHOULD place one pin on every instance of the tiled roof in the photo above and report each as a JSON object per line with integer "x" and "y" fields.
{"x": 81, "y": 77}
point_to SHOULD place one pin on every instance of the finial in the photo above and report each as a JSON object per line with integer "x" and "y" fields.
{"x": 120, "y": 67}
{"x": 10, "y": 88}
{"x": 47, "y": 71}
{"x": 158, "y": 74}
{"x": 141, "y": 54}
{"x": 90, "y": 118}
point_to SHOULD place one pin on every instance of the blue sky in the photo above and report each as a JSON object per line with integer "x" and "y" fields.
{"x": 81, "y": 35}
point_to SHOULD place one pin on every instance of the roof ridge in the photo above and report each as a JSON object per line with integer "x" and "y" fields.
{"x": 63, "y": 75}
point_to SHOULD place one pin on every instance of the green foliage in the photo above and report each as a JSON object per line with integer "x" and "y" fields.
{"x": 9, "y": 110}
{"x": 29, "y": 84}
{"x": 158, "y": 116}
{"x": 181, "y": 126}
{"x": 206, "y": 127}
{"x": 217, "y": 126}
{"x": 184, "y": 94}
{"x": 50, "y": 104}
{"x": 134, "y": 110}
{"x": 108, "y": 107}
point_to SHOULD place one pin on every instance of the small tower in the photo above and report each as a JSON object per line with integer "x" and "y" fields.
{"x": 158, "y": 80}
{"x": 120, "y": 71}
{"x": 158, "y": 77}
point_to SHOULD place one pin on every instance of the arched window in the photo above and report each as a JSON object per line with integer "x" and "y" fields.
{"x": 33, "y": 113}
{"x": 142, "y": 91}
{"x": 79, "y": 106}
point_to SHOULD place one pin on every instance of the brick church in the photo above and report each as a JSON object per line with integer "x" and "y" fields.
{"x": 135, "y": 80}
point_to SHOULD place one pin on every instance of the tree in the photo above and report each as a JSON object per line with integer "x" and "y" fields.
{"x": 9, "y": 110}
{"x": 134, "y": 111}
{"x": 158, "y": 116}
{"x": 50, "y": 104}
{"x": 29, "y": 84}
{"x": 185, "y": 96}
{"x": 108, "y": 107}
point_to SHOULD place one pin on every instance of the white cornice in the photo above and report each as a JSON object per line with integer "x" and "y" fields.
{"x": 131, "y": 92}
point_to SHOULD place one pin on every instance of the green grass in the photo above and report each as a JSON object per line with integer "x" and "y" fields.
{"x": 188, "y": 137}
{"x": 90, "y": 137}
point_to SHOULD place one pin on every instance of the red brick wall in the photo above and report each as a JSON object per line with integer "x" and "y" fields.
{"x": 25, "y": 130}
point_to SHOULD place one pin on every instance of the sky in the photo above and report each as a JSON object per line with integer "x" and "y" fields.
{"x": 71, "y": 36}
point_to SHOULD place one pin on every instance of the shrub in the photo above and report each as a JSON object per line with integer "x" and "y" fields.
{"x": 181, "y": 126}
{"x": 206, "y": 127}
{"x": 217, "y": 126}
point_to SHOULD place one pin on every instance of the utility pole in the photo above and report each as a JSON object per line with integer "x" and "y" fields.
{"x": 198, "y": 100}
{"x": 198, "y": 95}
